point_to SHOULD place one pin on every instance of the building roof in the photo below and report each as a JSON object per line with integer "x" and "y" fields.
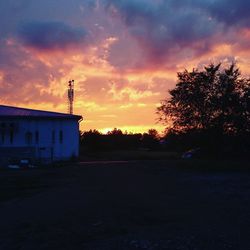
{"x": 16, "y": 112}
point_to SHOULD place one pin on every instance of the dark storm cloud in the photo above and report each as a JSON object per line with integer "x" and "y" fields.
{"x": 165, "y": 28}
{"x": 50, "y": 35}
{"x": 232, "y": 13}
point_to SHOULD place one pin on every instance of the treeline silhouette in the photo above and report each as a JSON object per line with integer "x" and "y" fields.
{"x": 93, "y": 140}
{"x": 208, "y": 109}
{"x": 212, "y": 144}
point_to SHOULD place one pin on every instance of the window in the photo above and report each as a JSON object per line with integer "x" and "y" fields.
{"x": 11, "y": 133}
{"x": 61, "y": 136}
{"x": 11, "y": 136}
{"x": 28, "y": 138}
{"x": 53, "y": 136}
{"x": 37, "y": 137}
{"x": 2, "y": 137}
{"x": 3, "y": 126}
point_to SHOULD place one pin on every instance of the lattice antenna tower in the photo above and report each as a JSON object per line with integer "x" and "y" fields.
{"x": 70, "y": 96}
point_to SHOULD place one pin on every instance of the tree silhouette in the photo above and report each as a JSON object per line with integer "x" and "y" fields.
{"x": 93, "y": 140}
{"x": 150, "y": 139}
{"x": 213, "y": 100}
{"x": 115, "y": 131}
{"x": 209, "y": 99}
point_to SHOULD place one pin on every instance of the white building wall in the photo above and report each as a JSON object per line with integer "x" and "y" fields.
{"x": 47, "y": 146}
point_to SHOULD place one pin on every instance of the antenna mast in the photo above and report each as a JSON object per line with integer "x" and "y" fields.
{"x": 70, "y": 96}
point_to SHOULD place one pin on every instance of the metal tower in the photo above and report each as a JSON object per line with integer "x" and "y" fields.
{"x": 70, "y": 96}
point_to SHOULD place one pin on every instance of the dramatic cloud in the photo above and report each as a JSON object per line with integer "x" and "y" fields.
{"x": 166, "y": 29}
{"x": 50, "y": 35}
{"x": 122, "y": 54}
{"x": 232, "y": 13}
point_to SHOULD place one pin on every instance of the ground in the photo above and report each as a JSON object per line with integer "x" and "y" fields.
{"x": 125, "y": 205}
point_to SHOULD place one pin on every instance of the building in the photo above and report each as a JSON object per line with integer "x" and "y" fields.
{"x": 39, "y": 136}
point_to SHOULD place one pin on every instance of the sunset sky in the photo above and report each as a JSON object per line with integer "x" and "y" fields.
{"x": 122, "y": 54}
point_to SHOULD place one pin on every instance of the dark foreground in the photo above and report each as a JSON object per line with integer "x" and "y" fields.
{"x": 124, "y": 205}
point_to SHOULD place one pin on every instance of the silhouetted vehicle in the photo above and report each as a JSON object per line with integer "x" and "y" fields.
{"x": 193, "y": 153}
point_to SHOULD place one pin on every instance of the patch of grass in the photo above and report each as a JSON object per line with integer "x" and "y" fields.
{"x": 18, "y": 185}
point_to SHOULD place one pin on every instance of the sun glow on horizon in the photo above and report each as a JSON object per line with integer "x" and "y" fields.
{"x": 134, "y": 129}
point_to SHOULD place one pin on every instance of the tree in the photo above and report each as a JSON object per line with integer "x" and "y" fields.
{"x": 115, "y": 132}
{"x": 150, "y": 139}
{"x": 212, "y": 99}
{"x": 91, "y": 140}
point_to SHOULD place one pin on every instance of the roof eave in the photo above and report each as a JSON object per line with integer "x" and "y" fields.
{"x": 73, "y": 117}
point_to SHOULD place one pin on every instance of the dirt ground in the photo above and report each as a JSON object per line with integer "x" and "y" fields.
{"x": 124, "y": 205}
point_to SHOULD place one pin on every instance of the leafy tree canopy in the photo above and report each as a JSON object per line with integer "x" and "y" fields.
{"x": 213, "y": 99}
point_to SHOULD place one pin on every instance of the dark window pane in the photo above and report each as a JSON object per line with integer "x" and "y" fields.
{"x": 11, "y": 136}
{"x": 28, "y": 138}
{"x": 37, "y": 137}
{"x": 61, "y": 136}
{"x": 53, "y": 136}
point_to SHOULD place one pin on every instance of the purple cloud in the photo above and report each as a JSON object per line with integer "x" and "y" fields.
{"x": 51, "y": 35}
{"x": 172, "y": 28}
{"x": 232, "y": 13}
